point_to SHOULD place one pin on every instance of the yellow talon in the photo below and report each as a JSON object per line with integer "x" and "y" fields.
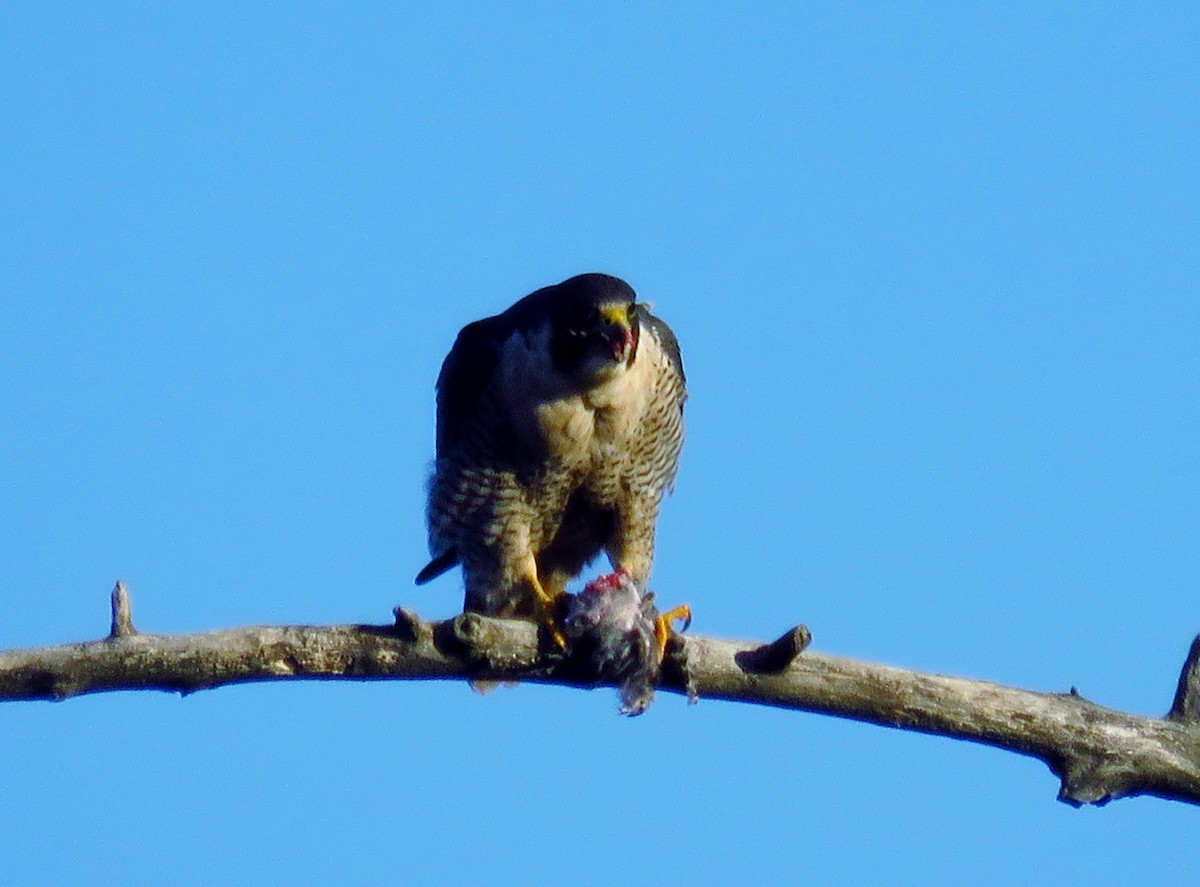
{"x": 544, "y": 596}
{"x": 662, "y": 625}
{"x": 556, "y": 634}
{"x": 549, "y": 606}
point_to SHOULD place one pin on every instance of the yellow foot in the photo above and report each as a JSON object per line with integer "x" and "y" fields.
{"x": 556, "y": 634}
{"x": 548, "y": 604}
{"x": 662, "y": 625}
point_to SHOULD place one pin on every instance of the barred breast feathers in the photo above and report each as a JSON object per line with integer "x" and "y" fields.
{"x": 575, "y": 427}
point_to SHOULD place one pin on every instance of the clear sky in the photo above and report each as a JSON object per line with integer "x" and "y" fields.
{"x": 934, "y": 274}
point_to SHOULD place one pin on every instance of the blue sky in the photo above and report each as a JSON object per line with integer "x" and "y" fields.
{"x": 933, "y": 270}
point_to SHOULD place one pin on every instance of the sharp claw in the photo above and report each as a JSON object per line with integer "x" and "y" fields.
{"x": 549, "y": 605}
{"x": 662, "y": 625}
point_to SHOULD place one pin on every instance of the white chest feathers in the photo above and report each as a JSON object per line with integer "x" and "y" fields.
{"x": 577, "y": 427}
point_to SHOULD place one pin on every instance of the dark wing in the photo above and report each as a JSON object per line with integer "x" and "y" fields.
{"x": 468, "y": 368}
{"x": 466, "y": 372}
{"x": 667, "y": 340}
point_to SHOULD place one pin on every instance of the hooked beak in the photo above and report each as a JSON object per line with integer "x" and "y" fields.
{"x": 621, "y": 331}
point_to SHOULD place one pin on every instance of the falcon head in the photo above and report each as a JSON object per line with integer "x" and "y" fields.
{"x": 594, "y": 325}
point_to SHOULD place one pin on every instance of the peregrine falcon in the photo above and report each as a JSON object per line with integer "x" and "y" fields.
{"x": 559, "y": 427}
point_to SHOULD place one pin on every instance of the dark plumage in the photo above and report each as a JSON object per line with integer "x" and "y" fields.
{"x": 559, "y": 427}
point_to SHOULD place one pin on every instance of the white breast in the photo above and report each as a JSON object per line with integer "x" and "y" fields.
{"x": 576, "y": 428}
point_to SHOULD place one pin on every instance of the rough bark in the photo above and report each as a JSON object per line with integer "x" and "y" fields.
{"x": 1098, "y": 753}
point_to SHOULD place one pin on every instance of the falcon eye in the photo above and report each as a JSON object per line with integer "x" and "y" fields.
{"x": 581, "y": 322}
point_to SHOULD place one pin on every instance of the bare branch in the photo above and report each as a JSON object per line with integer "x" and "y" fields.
{"x": 1186, "y": 706}
{"x": 122, "y": 612}
{"x": 774, "y": 657}
{"x": 1098, "y": 753}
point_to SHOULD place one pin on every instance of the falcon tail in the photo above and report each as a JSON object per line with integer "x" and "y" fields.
{"x": 439, "y": 565}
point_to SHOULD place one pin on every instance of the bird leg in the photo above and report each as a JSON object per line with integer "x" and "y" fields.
{"x": 662, "y": 625}
{"x": 548, "y": 607}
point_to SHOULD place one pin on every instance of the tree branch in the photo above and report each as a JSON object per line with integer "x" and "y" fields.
{"x": 1098, "y": 753}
